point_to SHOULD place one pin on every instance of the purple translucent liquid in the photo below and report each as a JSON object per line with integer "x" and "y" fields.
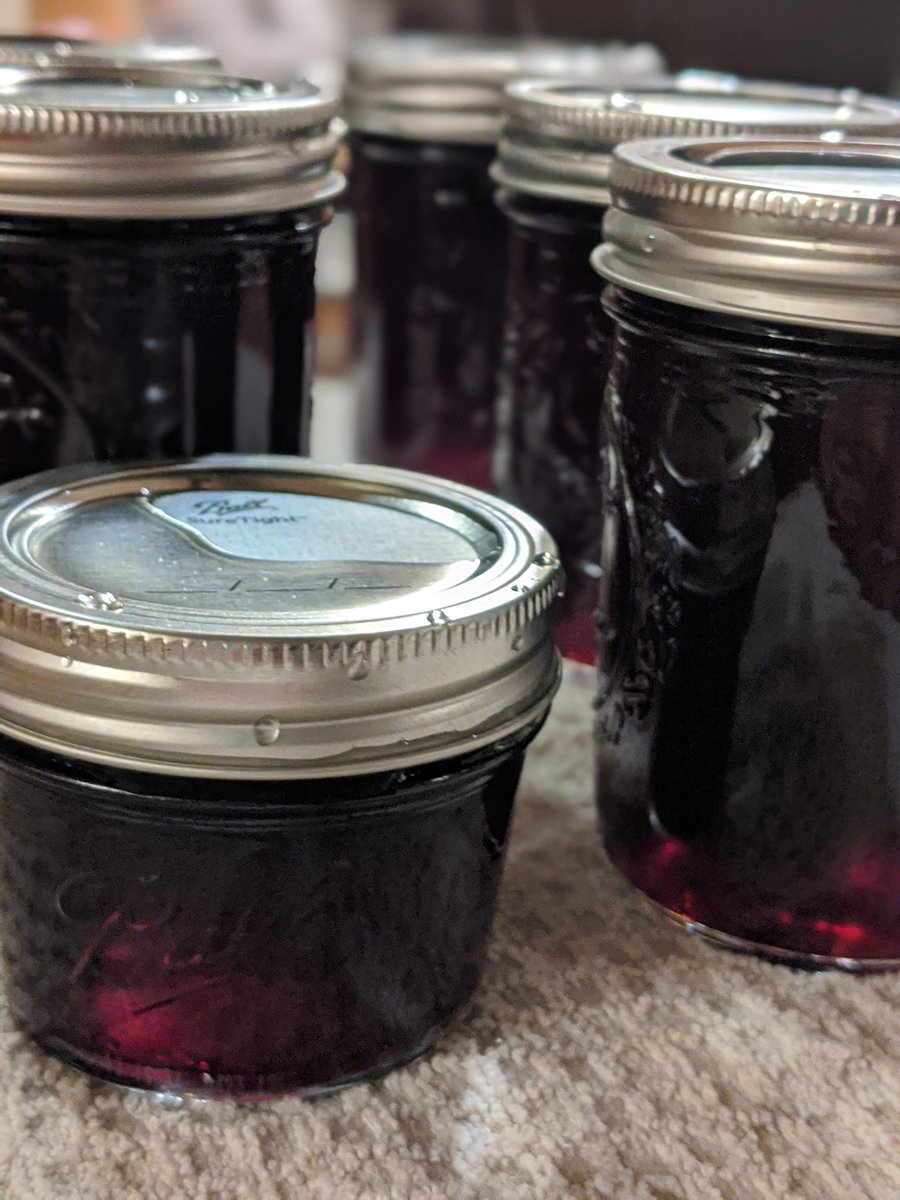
{"x": 247, "y": 939}
{"x": 556, "y": 347}
{"x": 144, "y": 339}
{"x": 432, "y": 256}
{"x": 748, "y": 769}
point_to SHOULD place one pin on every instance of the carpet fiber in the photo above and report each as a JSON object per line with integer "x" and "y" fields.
{"x": 609, "y": 1056}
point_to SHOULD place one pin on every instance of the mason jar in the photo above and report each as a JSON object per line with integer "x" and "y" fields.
{"x": 31, "y": 50}
{"x": 158, "y": 236}
{"x": 261, "y": 728}
{"x": 553, "y": 174}
{"x": 425, "y": 113}
{"x": 747, "y": 738}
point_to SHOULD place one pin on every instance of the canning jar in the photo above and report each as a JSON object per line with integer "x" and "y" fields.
{"x": 553, "y": 172}
{"x": 31, "y": 50}
{"x": 261, "y": 727}
{"x": 424, "y": 113}
{"x": 158, "y": 235}
{"x": 748, "y": 751}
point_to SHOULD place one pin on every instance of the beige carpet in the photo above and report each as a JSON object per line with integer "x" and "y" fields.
{"x": 610, "y": 1056}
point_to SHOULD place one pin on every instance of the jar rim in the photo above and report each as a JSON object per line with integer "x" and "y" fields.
{"x": 795, "y": 230}
{"x": 379, "y": 620}
{"x": 559, "y": 136}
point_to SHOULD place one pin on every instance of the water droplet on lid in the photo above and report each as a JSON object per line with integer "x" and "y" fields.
{"x": 145, "y": 492}
{"x": 648, "y": 245}
{"x": 267, "y": 731}
{"x": 68, "y": 636}
{"x": 103, "y": 601}
{"x": 67, "y": 662}
{"x": 180, "y": 97}
{"x": 438, "y": 617}
{"x": 546, "y": 559}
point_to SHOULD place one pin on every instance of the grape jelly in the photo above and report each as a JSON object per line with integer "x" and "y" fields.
{"x": 157, "y": 265}
{"x": 431, "y": 246}
{"x": 749, "y": 640}
{"x": 553, "y": 169}
{"x": 261, "y": 728}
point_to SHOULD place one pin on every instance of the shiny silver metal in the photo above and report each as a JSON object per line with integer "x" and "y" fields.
{"x": 269, "y": 618}
{"x": 558, "y": 137}
{"x": 144, "y": 142}
{"x": 442, "y": 88}
{"x": 26, "y": 50}
{"x": 796, "y": 231}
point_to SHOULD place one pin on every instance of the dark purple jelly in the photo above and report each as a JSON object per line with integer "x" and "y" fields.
{"x": 143, "y": 339}
{"x": 247, "y": 939}
{"x": 432, "y": 263}
{"x": 748, "y": 770}
{"x": 556, "y": 348}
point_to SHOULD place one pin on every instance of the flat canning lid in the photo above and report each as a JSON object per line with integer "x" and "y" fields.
{"x": 797, "y": 231}
{"x": 153, "y": 143}
{"x": 445, "y": 88}
{"x": 26, "y": 50}
{"x": 559, "y": 136}
{"x": 269, "y": 618}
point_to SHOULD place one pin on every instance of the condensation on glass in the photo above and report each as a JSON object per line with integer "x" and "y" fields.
{"x": 552, "y": 170}
{"x": 425, "y": 115}
{"x": 158, "y": 235}
{"x": 748, "y": 772}
{"x": 261, "y": 728}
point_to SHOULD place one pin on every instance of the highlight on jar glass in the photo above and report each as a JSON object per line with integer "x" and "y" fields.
{"x": 748, "y": 759}
{"x": 553, "y": 169}
{"x": 261, "y": 728}
{"x": 425, "y": 114}
{"x": 159, "y": 233}
{"x": 31, "y": 50}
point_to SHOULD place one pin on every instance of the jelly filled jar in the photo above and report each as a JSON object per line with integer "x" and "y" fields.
{"x": 553, "y": 169}
{"x": 261, "y": 728}
{"x": 748, "y": 751}
{"x": 425, "y": 114}
{"x": 158, "y": 235}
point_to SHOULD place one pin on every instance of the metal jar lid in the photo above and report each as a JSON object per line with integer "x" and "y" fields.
{"x": 149, "y": 143}
{"x": 30, "y": 51}
{"x": 558, "y": 137}
{"x": 804, "y": 232}
{"x": 442, "y": 88}
{"x": 269, "y": 618}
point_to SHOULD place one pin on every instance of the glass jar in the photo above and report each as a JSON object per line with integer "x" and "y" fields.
{"x": 425, "y": 115}
{"x": 30, "y": 50}
{"x": 553, "y": 170}
{"x": 257, "y": 787}
{"x": 156, "y": 264}
{"x": 748, "y": 767}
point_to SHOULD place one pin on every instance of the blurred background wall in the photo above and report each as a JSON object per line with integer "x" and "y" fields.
{"x": 842, "y": 42}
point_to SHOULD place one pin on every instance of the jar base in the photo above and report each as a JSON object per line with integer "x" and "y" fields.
{"x": 774, "y": 954}
{"x": 173, "y": 1089}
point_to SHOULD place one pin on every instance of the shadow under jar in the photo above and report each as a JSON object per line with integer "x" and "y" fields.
{"x": 748, "y": 753}
{"x": 256, "y": 794}
{"x": 553, "y": 170}
{"x": 158, "y": 235}
{"x": 425, "y": 115}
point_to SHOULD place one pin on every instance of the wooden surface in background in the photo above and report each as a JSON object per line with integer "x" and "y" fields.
{"x": 88, "y": 18}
